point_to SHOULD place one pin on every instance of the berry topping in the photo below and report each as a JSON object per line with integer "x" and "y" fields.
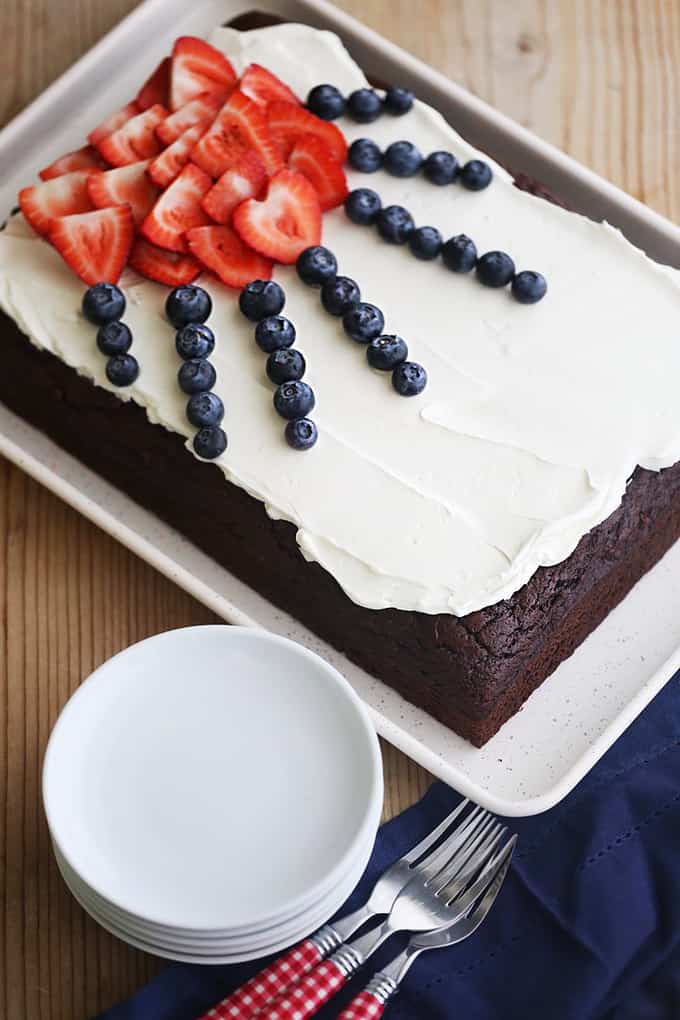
{"x": 364, "y": 322}
{"x": 156, "y": 88}
{"x": 529, "y": 287}
{"x": 364, "y": 106}
{"x": 187, "y": 304}
{"x": 122, "y": 369}
{"x": 240, "y": 125}
{"x": 294, "y": 399}
{"x": 103, "y": 303}
{"x": 60, "y": 196}
{"x": 221, "y": 250}
{"x": 124, "y": 185}
{"x": 475, "y": 175}
{"x": 339, "y": 294}
{"x": 195, "y": 340}
{"x": 286, "y": 222}
{"x": 311, "y": 158}
{"x": 168, "y": 267}
{"x": 285, "y": 365}
{"x": 263, "y": 87}
{"x": 441, "y": 168}
{"x": 112, "y": 123}
{"x": 273, "y": 333}
{"x": 178, "y": 209}
{"x": 114, "y": 338}
{"x": 398, "y": 100}
{"x": 326, "y": 101}
{"x": 196, "y": 376}
{"x": 135, "y": 140}
{"x": 386, "y": 351}
{"x": 315, "y": 265}
{"x": 402, "y": 159}
{"x": 244, "y": 180}
{"x": 261, "y": 298}
{"x": 365, "y": 156}
{"x": 409, "y": 378}
{"x": 495, "y": 269}
{"x": 362, "y": 206}
{"x": 459, "y": 254}
{"x": 197, "y": 67}
{"x": 425, "y": 242}
{"x": 395, "y": 224}
{"x": 301, "y": 434}
{"x": 210, "y": 442}
{"x": 96, "y": 244}
{"x": 80, "y": 159}
{"x": 205, "y": 409}
{"x": 288, "y": 122}
{"x": 165, "y": 167}
{"x": 199, "y": 112}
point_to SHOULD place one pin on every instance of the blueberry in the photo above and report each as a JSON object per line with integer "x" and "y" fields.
{"x": 196, "y": 376}
{"x": 315, "y": 265}
{"x": 363, "y": 322}
{"x": 365, "y": 156}
{"x": 441, "y": 167}
{"x": 459, "y": 254}
{"x": 409, "y": 378}
{"x": 395, "y": 224}
{"x": 187, "y": 304}
{"x": 205, "y": 409}
{"x": 103, "y": 303}
{"x": 495, "y": 269}
{"x": 122, "y": 369}
{"x": 398, "y": 100}
{"x": 529, "y": 287}
{"x": 362, "y": 206}
{"x": 114, "y": 338}
{"x": 195, "y": 340}
{"x": 285, "y": 365}
{"x": 339, "y": 295}
{"x": 386, "y": 351}
{"x": 210, "y": 442}
{"x": 364, "y": 106}
{"x": 294, "y": 400}
{"x": 260, "y": 299}
{"x": 273, "y": 333}
{"x": 475, "y": 175}
{"x": 301, "y": 434}
{"x": 402, "y": 159}
{"x": 425, "y": 243}
{"x": 326, "y": 101}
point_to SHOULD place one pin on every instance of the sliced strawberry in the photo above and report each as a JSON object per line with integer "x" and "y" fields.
{"x": 178, "y": 210}
{"x": 245, "y": 180}
{"x": 79, "y": 159}
{"x": 197, "y": 67}
{"x": 240, "y": 125}
{"x": 166, "y": 166}
{"x": 286, "y": 222}
{"x": 60, "y": 196}
{"x": 112, "y": 123}
{"x": 94, "y": 244}
{"x": 201, "y": 110}
{"x": 124, "y": 185}
{"x": 135, "y": 140}
{"x": 263, "y": 87}
{"x": 168, "y": 267}
{"x": 311, "y": 158}
{"x": 228, "y": 256}
{"x": 289, "y": 122}
{"x": 156, "y": 88}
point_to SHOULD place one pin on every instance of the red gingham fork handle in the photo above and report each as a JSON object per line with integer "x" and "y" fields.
{"x": 363, "y": 1006}
{"x": 308, "y": 995}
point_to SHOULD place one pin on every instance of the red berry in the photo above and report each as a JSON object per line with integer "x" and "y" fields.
{"x": 286, "y": 222}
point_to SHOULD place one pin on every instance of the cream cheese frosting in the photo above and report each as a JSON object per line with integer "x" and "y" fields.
{"x": 533, "y": 419}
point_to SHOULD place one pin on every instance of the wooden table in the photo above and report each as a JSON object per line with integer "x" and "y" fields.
{"x": 601, "y": 79}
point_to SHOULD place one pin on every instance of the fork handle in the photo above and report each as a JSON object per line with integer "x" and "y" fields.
{"x": 370, "y": 1003}
{"x": 309, "y": 994}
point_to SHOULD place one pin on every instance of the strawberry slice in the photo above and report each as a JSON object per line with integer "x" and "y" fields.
{"x": 240, "y": 125}
{"x": 286, "y": 222}
{"x": 60, "y": 196}
{"x": 79, "y": 159}
{"x": 289, "y": 122}
{"x": 156, "y": 88}
{"x": 94, "y": 244}
{"x": 112, "y": 123}
{"x": 178, "y": 210}
{"x": 201, "y": 110}
{"x": 165, "y": 167}
{"x": 245, "y": 180}
{"x": 311, "y": 158}
{"x": 263, "y": 87}
{"x": 166, "y": 267}
{"x": 124, "y": 185}
{"x": 197, "y": 67}
{"x": 135, "y": 140}
{"x": 228, "y": 256}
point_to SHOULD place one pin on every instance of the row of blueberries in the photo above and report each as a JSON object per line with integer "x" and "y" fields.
{"x": 362, "y": 105}
{"x": 404, "y": 159}
{"x": 104, "y": 306}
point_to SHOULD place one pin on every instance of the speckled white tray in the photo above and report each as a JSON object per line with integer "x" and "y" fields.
{"x": 567, "y": 724}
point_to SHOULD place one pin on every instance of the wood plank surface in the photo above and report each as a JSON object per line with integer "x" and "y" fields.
{"x": 601, "y": 79}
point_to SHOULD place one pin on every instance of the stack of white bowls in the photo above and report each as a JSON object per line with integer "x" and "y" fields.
{"x": 213, "y": 793}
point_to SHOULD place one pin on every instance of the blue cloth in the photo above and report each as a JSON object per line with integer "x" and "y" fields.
{"x": 586, "y": 927}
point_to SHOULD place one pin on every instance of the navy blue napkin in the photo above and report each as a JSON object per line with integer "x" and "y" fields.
{"x": 586, "y": 927}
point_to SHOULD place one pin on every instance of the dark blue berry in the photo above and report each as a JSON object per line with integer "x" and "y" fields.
{"x": 122, "y": 369}
{"x": 409, "y": 378}
{"x": 529, "y": 287}
{"x": 301, "y": 434}
{"x": 286, "y": 365}
{"x": 476, "y": 175}
{"x": 326, "y": 101}
{"x": 114, "y": 338}
{"x": 425, "y": 242}
{"x": 402, "y": 159}
{"x": 495, "y": 269}
{"x": 260, "y": 299}
{"x": 210, "y": 442}
{"x": 398, "y": 100}
{"x": 196, "y": 376}
{"x": 386, "y": 351}
{"x": 363, "y": 322}
{"x": 315, "y": 265}
{"x": 294, "y": 400}
{"x": 274, "y": 332}
{"x": 339, "y": 295}
{"x": 441, "y": 168}
{"x": 362, "y": 206}
{"x": 459, "y": 254}
{"x": 364, "y": 106}
{"x": 395, "y": 224}
{"x": 365, "y": 156}
{"x": 187, "y": 304}
{"x": 205, "y": 409}
{"x": 103, "y": 303}
{"x": 195, "y": 340}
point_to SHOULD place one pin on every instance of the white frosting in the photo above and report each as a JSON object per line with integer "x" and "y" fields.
{"x": 533, "y": 419}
